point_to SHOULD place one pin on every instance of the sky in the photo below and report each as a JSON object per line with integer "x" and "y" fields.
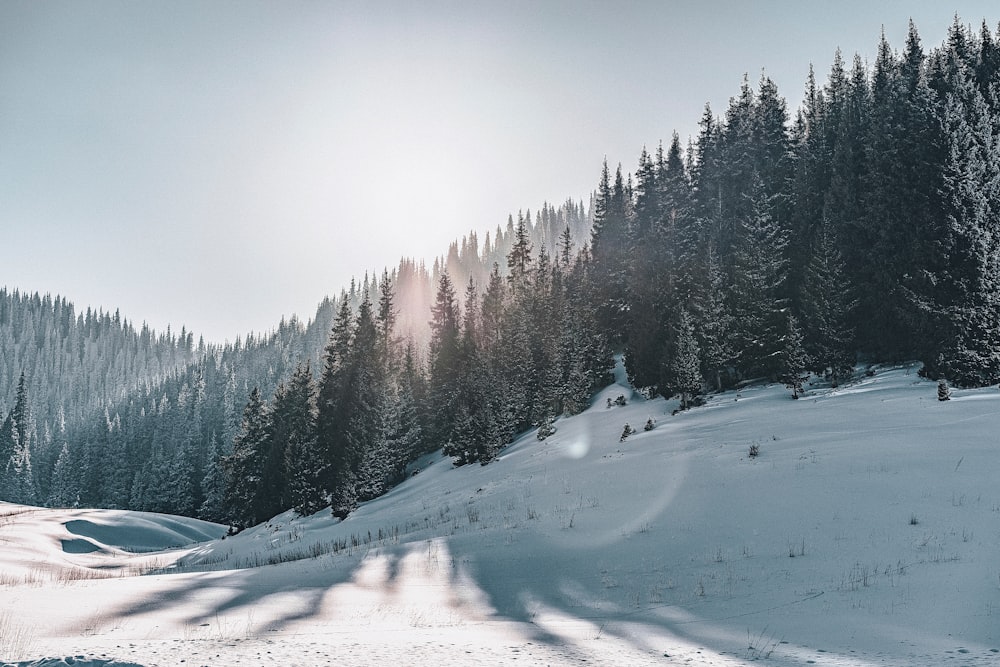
{"x": 220, "y": 165}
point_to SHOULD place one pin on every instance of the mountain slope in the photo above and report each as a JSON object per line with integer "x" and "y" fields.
{"x": 865, "y": 532}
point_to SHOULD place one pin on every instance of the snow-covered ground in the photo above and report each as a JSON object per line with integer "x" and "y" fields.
{"x": 866, "y": 532}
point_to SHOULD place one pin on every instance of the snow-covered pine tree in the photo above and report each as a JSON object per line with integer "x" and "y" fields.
{"x": 902, "y": 182}
{"x": 682, "y": 367}
{"x": 381, "y": 465}
{"x": 792, "y": 357}
{"x": 958, "y": 291}
{"x": 17, "y": 483}
{"x": 444, "y": 361}
{"x": 713, "y": 322}
{"x": 756, "y": 299}
{"x": 943, "y": 392}
{"x": 183, "y": 498}
{"x": 307, "y": 468}
{"x": 648, "y": 254}
{"x": 811, "y": 150}
{"x": 63, "y": 488}
{"x": 8, "y": 439}
{"x": 471, "y": 409}
{"x": 826, "y": 305}
{"x": 118, "y": 474}
{"x": 213, "y": 486}
{"x": 608, "y": 248}
{"x": 244, "y": 468}
{"x": 362, "y": 408}
{"x": 333, "y": 401}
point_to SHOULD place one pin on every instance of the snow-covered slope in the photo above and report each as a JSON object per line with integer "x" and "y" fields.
{"x": 866, "y": 531}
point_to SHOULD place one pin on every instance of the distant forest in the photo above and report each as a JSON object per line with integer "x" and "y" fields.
{"x": 862, "y": 227}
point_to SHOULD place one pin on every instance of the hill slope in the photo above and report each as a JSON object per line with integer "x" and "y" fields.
{"x": 865, "y": 532}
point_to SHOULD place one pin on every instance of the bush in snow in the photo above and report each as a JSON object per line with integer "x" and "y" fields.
{"x": 626, "y": 432}
{"x": 944, "y": 393}
{"x": 650, "y": 424}
{"x": 546, "y": 428}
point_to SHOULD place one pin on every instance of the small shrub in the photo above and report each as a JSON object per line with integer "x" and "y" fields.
{"x": 626, "y": 432}
{"x": 620, "y": 401}
{"x": 545, "y": 429}
{"x": 943, "y": 392}
{"x": 760, "y": 647}
{"x": 797, "y": 549}
{"x": 650, "y": 424}
{"x": 913, "y": 520}
{"x": 754, "y": 451}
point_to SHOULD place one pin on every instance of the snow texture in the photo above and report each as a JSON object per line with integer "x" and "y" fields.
{"x": 865, "y": 532}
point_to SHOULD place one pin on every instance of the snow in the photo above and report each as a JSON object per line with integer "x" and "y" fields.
{"x": 866, "y": 532}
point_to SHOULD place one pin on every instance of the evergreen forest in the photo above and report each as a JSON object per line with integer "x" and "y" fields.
{"x": 861, "y": 227}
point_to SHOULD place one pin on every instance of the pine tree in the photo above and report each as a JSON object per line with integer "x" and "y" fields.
{"x": 608, "y": 247}
{"x": 385, "y": 321}
{"x": 244, "y": 468}
{"x": 903, "y": 157}
{"x": 713, "y": 322}
{"x": 682, "y": 370}
{"x": 662, "y": 238}
{"x": 957, "y": 289}
{"x": 565, "y": 254}
{"x": 21, "y": 413}
{"x": 183, "y": 499}
{"x": 413, "y": 411}
{"x": 333, "y": 405}
{"x": 792, "y": 358}
{"x": 213, "y": 486}
{"x": 543, "y": 332}
{"x": 118, "y": 472}
{"x": 519, "y": 258}
{"x": 376, "y": 393}
{"x": 361, "y": 409}
{"x": 826, "y": 307}
{"x": 63, "y": 490}
{"x": 275, "y": 476}
{"x": 8, "y": 443}
{"x": 149, "y": 484}
{"x": 812, "y": 155}
{"x": 17, "y": 483}
{"x": 943, "y": 392}
{"x": 445, "y": 362}
{"x": 756, "y": 299}
{"x": 307, "y": 468}
{"x": 472, "y": 411}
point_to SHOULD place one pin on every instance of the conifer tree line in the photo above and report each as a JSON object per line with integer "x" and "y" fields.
{"x": 862, "y": 227}
{"x": 117, "y": 417}
{"x": 513, "y": 354}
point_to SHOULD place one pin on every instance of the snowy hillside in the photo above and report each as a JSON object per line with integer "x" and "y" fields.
{"x": 866, "y": 531}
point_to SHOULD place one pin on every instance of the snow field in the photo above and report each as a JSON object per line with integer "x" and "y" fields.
{"x": 865, "y": 532}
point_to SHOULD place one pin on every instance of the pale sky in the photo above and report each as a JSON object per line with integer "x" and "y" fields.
{"x": 222, "y": 164}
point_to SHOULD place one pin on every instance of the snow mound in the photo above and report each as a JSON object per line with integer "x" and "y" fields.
{"x": 134, "y": 531}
